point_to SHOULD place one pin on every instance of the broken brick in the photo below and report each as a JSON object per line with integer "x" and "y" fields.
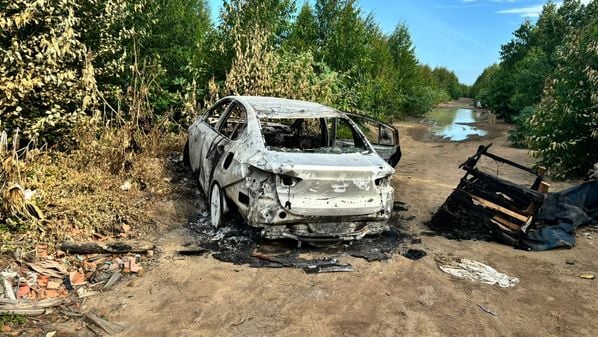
{"x": 53, "y": 285}
{"x": 24, "y": 290}
{"x": 51, "y": 293}
{"x": 42, "y": 280}
{"x": 76, "y": 277}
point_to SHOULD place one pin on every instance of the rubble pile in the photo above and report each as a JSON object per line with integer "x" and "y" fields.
{"x": 46, "y": 283}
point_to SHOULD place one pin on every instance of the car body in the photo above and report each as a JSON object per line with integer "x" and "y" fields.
{"x": 295, "y": 169}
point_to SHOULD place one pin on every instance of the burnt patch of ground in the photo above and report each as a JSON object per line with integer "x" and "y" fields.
{"x": 462, "y": 229}
{"x": 241, "y": 244}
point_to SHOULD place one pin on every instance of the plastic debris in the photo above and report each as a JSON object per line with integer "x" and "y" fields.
{"x": 587, "y": 276}
{"x": 126, "y": 186}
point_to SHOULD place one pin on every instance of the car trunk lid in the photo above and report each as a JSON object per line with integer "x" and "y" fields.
{"x": 331, "y": 185}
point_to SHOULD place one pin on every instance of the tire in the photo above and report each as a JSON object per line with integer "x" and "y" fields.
{"x": 217, "y": 206}
{"x": 186, "y": 160}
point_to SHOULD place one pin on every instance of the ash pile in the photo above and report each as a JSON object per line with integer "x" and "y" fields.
{"x": 241, "y": 244}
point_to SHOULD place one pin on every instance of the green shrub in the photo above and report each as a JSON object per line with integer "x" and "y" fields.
{"x": 563, "y": 130}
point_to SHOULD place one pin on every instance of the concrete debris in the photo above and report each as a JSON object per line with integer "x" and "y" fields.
{"x": 49, "y": 268}
{"x": 35, "y": 287}
{"x": 112, "y": 280}
{"x": 475, "y": 271}
{"x": 8, "y": 291}
{"x": 30, "y": 309}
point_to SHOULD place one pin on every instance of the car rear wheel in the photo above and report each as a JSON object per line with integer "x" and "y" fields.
{"x": 217, "y": 206}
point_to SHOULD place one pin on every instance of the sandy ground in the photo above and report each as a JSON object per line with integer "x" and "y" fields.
{"x": 200, "y": 296}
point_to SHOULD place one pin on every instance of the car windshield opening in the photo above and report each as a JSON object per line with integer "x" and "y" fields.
{"x": 315, "y": 135}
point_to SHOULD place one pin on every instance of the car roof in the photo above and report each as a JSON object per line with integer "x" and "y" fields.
{"x": 274, "y": 107}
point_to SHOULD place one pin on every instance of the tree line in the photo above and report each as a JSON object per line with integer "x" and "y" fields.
{"x": 547, "y": 83}
{"x": 142, "y": 60}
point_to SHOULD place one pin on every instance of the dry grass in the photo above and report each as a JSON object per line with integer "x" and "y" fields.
{"x": 49, "y": 196}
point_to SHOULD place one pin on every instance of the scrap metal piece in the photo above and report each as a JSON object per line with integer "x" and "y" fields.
{"x": 328, "y": 267}
{"x": 487, "y": 310}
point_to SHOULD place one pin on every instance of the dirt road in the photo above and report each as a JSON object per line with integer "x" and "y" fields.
{"x": 200, "y": 296}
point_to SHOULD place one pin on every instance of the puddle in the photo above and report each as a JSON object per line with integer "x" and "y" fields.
{"x": 454, "y": 124}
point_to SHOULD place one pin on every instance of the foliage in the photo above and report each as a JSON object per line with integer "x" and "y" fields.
{"x": 563, "y": 130}
{"x": 260, "y": 70}
{"x": 448, "y": 81}
{"x": 517, "y": 136}
{"x": 528, "y": 59}
{"x": 64, "y": 60}
{"x": 46, "y": 81}
{"x": 304, "y": 32}
{"x": 238, "y": 18}
{"x": 479, "y": 89}
{"x": 546, "y": 84}
{"x": 10, "y": 319}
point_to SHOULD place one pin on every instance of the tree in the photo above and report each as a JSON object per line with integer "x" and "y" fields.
{"x": 404, "y": 60}
{"x": 530, "y": 57}
{"x": 563, "y": 131}
{"x": 177, "y": 38}
{"x": 239, "y": 18}
{"x": 304, "y": 33}
{"x": 46, "y": 79}
{"x": 528, "y": 78}
{"x": 478, "y": 90}
{"x": 447, "y": 80}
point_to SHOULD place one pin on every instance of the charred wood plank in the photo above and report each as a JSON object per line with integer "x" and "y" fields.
{"x": 108, "y": 327}
{"x": 493, "y": 206}
{"x": 93, "y": 247}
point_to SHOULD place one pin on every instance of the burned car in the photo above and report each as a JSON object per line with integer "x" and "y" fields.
{"x": 295, "y": 169}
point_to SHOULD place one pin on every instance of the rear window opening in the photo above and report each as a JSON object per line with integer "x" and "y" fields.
{"x": 316, "y": 135}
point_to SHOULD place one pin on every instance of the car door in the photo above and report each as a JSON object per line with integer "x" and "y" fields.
{"x": 228, "y": 146}
{"x": 202, "y": 136}
{"x": 383, "y": 137}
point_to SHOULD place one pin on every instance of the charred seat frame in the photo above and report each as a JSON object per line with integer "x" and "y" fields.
{"x": 503, "y": 209}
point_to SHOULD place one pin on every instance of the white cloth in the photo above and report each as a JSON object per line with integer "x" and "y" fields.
{"x": 476, "y": 271}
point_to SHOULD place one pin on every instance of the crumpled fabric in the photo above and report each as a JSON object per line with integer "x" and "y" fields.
{"x": 560, "y": 214}
{"x": 476, "y": 271}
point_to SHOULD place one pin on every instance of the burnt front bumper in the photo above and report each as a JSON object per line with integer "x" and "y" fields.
{"x": 324, "y": 232}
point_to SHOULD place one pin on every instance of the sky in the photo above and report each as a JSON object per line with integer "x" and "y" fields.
{"x": 463, "y": 35}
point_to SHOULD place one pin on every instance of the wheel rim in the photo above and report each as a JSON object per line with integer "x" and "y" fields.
{"x": 215, "y": 206}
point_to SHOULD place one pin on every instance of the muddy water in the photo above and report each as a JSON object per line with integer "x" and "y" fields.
{"x": 455, "y": 124}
